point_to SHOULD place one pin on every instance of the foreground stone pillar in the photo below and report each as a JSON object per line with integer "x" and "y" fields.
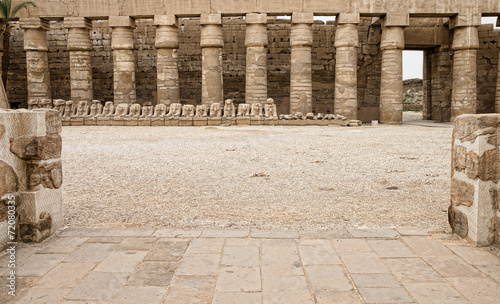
{"x": 30, "y": 173}
{"x": 301, "y": 41}
{"x": 122, "y": 44}
{"x": 465, "y": 43}
{"x": 167, "y": 44}
{"x": 37, "y": 62}
{"x": 391, "y": 84}
{"x": 211, "y": 44}
{"x": 256, "y": 72}
{"x": 346, "y": 66}
{"x": 80, "y": 62}
{"x": 474, "y": 211}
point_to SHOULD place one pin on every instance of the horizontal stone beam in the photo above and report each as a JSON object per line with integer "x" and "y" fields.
{"x": 101, "y": 9}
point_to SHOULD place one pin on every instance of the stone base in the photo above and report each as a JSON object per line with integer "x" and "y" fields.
{"x": 130, "y": 122}
{"x": 90, "y": 121}
{"x": 229, "y": 120}
{"x": 271, "y": 121}
{"x": 256, "y": 121}
{"x": 214, "y": 121}
{"x": 200, "y": 121}
{"x": 117, "y": 121}
{"x": 144, "y": 122}
{"x": 77, "y": 121}
{"x": 172, "y": 122}
{"x": 185, "y": 122}
{"x": 243, "y": 120}
{"x": 157, "y": 121}
{"x": 103, "y": 121}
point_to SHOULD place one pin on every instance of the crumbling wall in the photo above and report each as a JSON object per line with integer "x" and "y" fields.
{"x": 30, "y": 175}
{"x": 474, "y": 212}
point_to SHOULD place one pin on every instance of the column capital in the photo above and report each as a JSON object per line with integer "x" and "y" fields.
{"x": 122, "y": 21}
{"x": 211, "y": 19}
{"x": 34, "y": 23}
{"x": 346, "y": 35}
{"x": 392, "y": 38}
{"x": 165, "y": 20}
{"x": 396, "y": 19}
{"x": 463, "y": 20}
{"x": 77, "y": 22}
{"x": 307, "y": 18}
{"x": 254, "y": 18}
{"x": 348, "y": 18}
{"x": 465, "y": 38}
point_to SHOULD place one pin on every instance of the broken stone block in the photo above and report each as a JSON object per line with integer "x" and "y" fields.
{"x": 48, "y": 174}
{"x": 458, "y": 221}
{"x": 35, "y": 232}
{"x": 462, "y": 193}
{"x": 8, "y": 179}
{"x": 483, "y": 166}
{"x": 459, "y": 158}
{"x": 37, "y": 147}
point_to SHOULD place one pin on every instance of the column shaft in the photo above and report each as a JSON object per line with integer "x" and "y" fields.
{"x": 167, "y": 44}
{"x": 122, "y": 44}
{"x": 497, "y": 96}
{"x": 211, "y": 43}
{"x": 256, "y": 60}
{"x": 464, "y": 84}
{"x": 391, "y": 86}
{"x": 37, "y": 62}
{"x": 80, "y": 47}
{"x": 346, "y": 66}
{"x": 301, "y": 41}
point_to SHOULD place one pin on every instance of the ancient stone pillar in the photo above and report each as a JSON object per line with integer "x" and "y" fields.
{"x": 497, "y": 96}
{"x": 167, "y": 44}
{"x": 80, "y": 62}
{"x": 346, "y": 65}
{"x": 37, "y": 62}
{"x": 211, "y": 44}
{"x": 391, "y": 85}
{"x": 464, "y": 85}
{"x": 301, "y": 41}
{"x": 256, "y": 72}
{"x": 122, "y": 44}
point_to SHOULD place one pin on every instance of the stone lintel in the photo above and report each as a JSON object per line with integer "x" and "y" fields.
{"x": 348, "y": 18}
{"x": 462, "y": 20}
{"x": 211, "y": 19}
{"x": 77, "y": 22}
{"x": 254, "y": 18}
{"x": 396, "y": 19}
{"x": 34, "y": 23}
{"x": 303, "y": 18}
{"x": 168, "y": 20}
{"x": 121, "y": 21}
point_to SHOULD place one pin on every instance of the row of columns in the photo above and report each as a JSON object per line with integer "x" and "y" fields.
{"x": 167, "y": 43}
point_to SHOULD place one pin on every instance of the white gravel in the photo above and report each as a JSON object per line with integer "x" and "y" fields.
{"x": 257, "y": 176}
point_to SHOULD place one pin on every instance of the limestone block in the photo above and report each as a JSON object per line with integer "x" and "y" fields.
{"x": 36, "y": 147}
{"x": 207, "y": 19}
{"x": 465, "y": 38}
{"x": 121, "y": 21}
{"x": 48, "y": 174}
{"x": 200, "y": 121}
{"x": 348, "y": 18}
{"x": 34, "y": 23}
{"x": 462, "y": 192}
{"x": 254, "y": 18}
{"x": 465, "y": 19}
{"x": 185, "y": 121}
{"x": 307, "y": 18}
{"x": 458, "y": 221}
{"x": 53, "y": 124}
{"x": 396, "y": 19}
{"x": 77, "y": 22}
{"x": 35, "y": 40}
{"x": 169, "y": 20}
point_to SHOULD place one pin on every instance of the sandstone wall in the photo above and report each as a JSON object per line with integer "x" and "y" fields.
{"x": 234, "y": 56}
{"x": 475, "y": 188}
{"x": 30, "y": 174}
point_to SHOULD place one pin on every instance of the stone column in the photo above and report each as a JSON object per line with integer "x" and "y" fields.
{"x": 497, "y": 96}
{"x": 465, "y": 43}
{"x": 301, "y": 41}
{"x": 37, "y": 62}
{"x": 256, "y": 72}
{"x": 122, "y": 44}
{"x": 346, "y": 65}
{"x": 391, "y": 85}
{"x": 211, "y": 44}
{"x": 80, "y": 62}
{"x": 167, "y": 44}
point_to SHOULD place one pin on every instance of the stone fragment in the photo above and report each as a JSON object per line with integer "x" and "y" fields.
{"x": 48, "y": 174}
{"x": 8, "y": 179}
{"x": 458, "y": 221}
{"x": 229, "y": 110}
{"x": 37, "y": 147}
{"x": 462, "y": 193}
{"x": 215, "y": 110}
{"x": 482, "y": 167}
{"x": 59, "y": 105}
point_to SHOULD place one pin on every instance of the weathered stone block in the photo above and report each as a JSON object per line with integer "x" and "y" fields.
{"x": 171, "y": 121}
{"x": 37, "y": 147}
{"x": 482, "y": 167}
{"x": 459, "y": 157}
{"x": 77, "y": 121}
{"x": 8, "y": 179}
{"x": 48, "y": 174}
{"x": 185, "y": 121}
{"x": 207, "y": 19}
{"x": 458, "y": 221}
{"x": 53, "y": 122}
{"x": 121, "y": 21}
{"x": 165, "y": 20}
{"x": 200, "y": 121}
{"x": 144, "y": 122}
{"x": 462, "y": 193}
{"x": 396, "y": 19}
{"x": 307, "y": 18}
{"x": 214, "y": 121}
{"x": 243, "y": 120}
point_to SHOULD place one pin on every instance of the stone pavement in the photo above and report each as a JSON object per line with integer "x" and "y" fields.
{"x": 142, "y": 265}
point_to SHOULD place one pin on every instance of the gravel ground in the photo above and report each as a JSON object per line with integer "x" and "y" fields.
{"x": 257, "y": 176}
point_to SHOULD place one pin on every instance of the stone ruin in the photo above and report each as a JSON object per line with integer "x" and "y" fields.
{"x": 31, "y": 173}
{"x": 202, "y": 52}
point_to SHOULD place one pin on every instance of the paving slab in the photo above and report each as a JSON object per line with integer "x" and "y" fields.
{"x": 42, "y": 296}
{"x": 89, "y": 232}
{"x": 387, "y": 233}
{"x": 412, "y": 270}
{"x": 225, "y": 233}
{"x": 39, "y": 264}
{"x": 167, "y": 251}
{"x": 285, "y": 289}
{"x": 211, "y": 245}
{"x": 452, "y": 266}
{"x": 337, "y": 297}
{"x": 413, "y": 231}
{"x": 65, "y": 275}
{"x": 275, "y": 234}
{"x": 121, "y": 261}
{"x": 325, "y": 234}
{"x": 200, "y": 265}
{"x": 328, "y": 278}
{"x": 234, "y": 279}
{"x": 177, "y": 233}
{"x": 153, "y": 274}
{"x": 435, "y": 293}
{"x": 385, "y": 295}
{"x": 90, "y": 253}
{"x": 137, "y": 232}
{"x": 380, "y": 280}
{"x": 241, "y": 256}
{"x": 425, "y": 246}
{"x": 363, "y": 262}
{"x": 237, "y": 297}
{"x": 136, "y": 243}
{"x": 140, "y": 294}
{"x": 190, "y": 290}
{"x": 99, "y": 286}
{"x": 319, "y": 255}
{"x": 477, "y": 290}
{"x": 391, "y": 249}
{"x": 62, "y": 244}
{"x": 353, "y": 245}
